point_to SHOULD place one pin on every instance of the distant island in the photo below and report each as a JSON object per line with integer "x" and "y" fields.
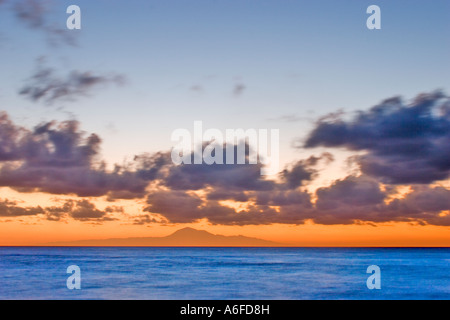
{"x": 186, "y": 237}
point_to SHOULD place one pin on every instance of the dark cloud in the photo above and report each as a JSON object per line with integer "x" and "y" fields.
{"x": 303, "y": 171}
{"x": 351, "y": 191}
{"x": 12, "y": 209}
{"x": 82, "y": 210}
{"x": 178, "y": 203}
{"x": 175, "y": 206}
{"x": 11, "y": 139}
{"x": 58, "y": 158}
{"x": 424, "y": 203}
{"x": 184, "y": 207}
{"x": 45, "y": 85}
{"x": 252, "y": 215}
{"x": 347, "y": 201}
{"x": 230, "y": 176}
{"x": 222, "y": 193}
{"x": 144, "y": 219}
{"x": 405, "y": 143}
{"x": 56, "y": 213}
{"x": 361, "y": 199}
{"x": 282, "y": 198}
{"x": 149, "y": 166}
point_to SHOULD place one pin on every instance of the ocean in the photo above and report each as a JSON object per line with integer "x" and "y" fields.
{"x": 224, "y": 273}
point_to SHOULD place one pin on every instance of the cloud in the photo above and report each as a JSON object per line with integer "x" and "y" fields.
{"x": 351, "y": 191}
{"x": 432, "y": 205}
{"x": 230, "y": 176}
{"x": 196, "y": 88}
{"x": 82, "y": 210}
{"x": 144, "y": 219}
{"x": 252, "y": 215}
{"x": 349, "y": 200}
{"x": 238, "y": 90}
{"x": 404, "y": 143}
{"x": 361, "y": 199}
{"x": 58, "y": 158}
{"x": 177, "y": 202}
{"x": 223, "y": 193}
{"x": 45, "y": 85}
{"x": 176, "y": 206}
{"x": 35, "y": 15}
{"x": 282, "y": 198}
{"x": 354, "y": 199}
{"x": 303, "y": 171}
{"x": 12, "y": 209}
{"x": 184, "y": 207}
{"x": 290, "y": 118}
{"x": 11, "y": 139}
{"x": 31, "y": 11}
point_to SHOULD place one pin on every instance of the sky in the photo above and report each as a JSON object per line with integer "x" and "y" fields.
{"x": 363, "y": 116}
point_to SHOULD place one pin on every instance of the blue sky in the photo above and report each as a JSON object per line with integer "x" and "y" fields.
{"x": 183, "y": 59}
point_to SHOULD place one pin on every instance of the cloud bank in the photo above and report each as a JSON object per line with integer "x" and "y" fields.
{"x": 404, "y": 144}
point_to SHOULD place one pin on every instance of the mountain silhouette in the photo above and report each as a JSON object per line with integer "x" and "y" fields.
{"x": 186, "y": 237}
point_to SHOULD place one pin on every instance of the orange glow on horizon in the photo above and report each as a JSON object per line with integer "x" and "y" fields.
{"x": 21, "y": 233}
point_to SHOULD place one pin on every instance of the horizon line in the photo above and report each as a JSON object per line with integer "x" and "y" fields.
{"x": 206, "y": 246}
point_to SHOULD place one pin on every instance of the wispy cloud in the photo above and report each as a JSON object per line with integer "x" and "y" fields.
{"x": 45, "y": 85}
{"x": 35, "y": 15}
{"x": 290, "y": 118}
{"x": 239, "y": 89}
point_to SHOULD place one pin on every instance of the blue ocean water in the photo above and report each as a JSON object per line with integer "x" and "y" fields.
{"x": 224, "y": 273}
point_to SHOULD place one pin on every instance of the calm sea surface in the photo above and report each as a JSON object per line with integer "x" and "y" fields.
{"x": 224, "y": 273}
